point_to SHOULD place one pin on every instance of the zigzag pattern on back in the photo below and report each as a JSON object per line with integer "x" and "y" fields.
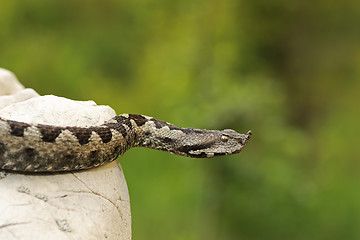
{"x": 45, "y": 148}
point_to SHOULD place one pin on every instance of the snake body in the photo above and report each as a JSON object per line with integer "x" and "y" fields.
{"x": 28, "y": 147}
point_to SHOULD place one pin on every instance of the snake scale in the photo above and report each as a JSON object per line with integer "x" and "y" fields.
{"x": 28, "y": 147}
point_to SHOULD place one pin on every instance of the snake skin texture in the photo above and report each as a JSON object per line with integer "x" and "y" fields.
{"x": 45, "y": 148}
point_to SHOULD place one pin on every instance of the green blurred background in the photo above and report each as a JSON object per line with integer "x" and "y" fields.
{"x": 287, "y": 70}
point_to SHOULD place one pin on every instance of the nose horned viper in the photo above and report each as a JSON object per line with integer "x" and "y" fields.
{"x": 46, "y": 148}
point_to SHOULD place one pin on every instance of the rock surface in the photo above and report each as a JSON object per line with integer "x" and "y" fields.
{"x": 9, "y": 83}
{"x": 92, "y": 204}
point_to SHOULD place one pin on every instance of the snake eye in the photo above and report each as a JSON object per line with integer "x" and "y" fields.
{"x": 224, "y": 138}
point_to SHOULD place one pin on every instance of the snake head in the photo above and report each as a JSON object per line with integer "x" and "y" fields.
{"x": 232, "y": 141}
{"x": 212, "y": 143}
{"x": 190, "y": 142}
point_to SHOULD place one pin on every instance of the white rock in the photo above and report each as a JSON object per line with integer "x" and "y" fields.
{"x": 9, "y": 83}
{"x": 19, "y": 96}
{"x": 80, "y": 205}
{"x": 58, "y": 111}
{"x": 92, "y": 204}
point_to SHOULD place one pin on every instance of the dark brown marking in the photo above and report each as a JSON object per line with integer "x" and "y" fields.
{"x": 117, "y": 151}
{"x": 82, "y": 134}
{"x": 201, "y": 155}
{"x": 118, "y": 127}
{"x": 194, "y": 147}
{"x": 139, "y": 119}
{"x": 219, "y": 154}
{"x": 49, "y": 133}
{"x": 123, "y": 120}
{"x": 167, "y": 140}
{"x": 187, "y": 149}
{"x": 29, "y": 157}
{"x": 68, "y": 161}
{"x": 121, "y": 129}
{"x": 93, "y": 158}
{"x": 2, "y": 149}
{"x": 93, "y": 154}
{"x": 17, "y": 128}
{"x": 69, "y": 156}
{"x": 160, "y": 124}
{"x": 104, "y": 133}
{"x": 30, "y": 152}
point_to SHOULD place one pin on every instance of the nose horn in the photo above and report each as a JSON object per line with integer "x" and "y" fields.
{"x": 248, "y": 135}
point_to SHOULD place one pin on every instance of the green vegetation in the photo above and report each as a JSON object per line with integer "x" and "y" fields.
{"x": 287, "y": 70}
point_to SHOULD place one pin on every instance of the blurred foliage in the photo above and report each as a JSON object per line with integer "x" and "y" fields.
{"x": 287, "y": 70}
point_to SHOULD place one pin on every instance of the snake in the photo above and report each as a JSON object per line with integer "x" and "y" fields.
{"x": 33, "y": 148}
